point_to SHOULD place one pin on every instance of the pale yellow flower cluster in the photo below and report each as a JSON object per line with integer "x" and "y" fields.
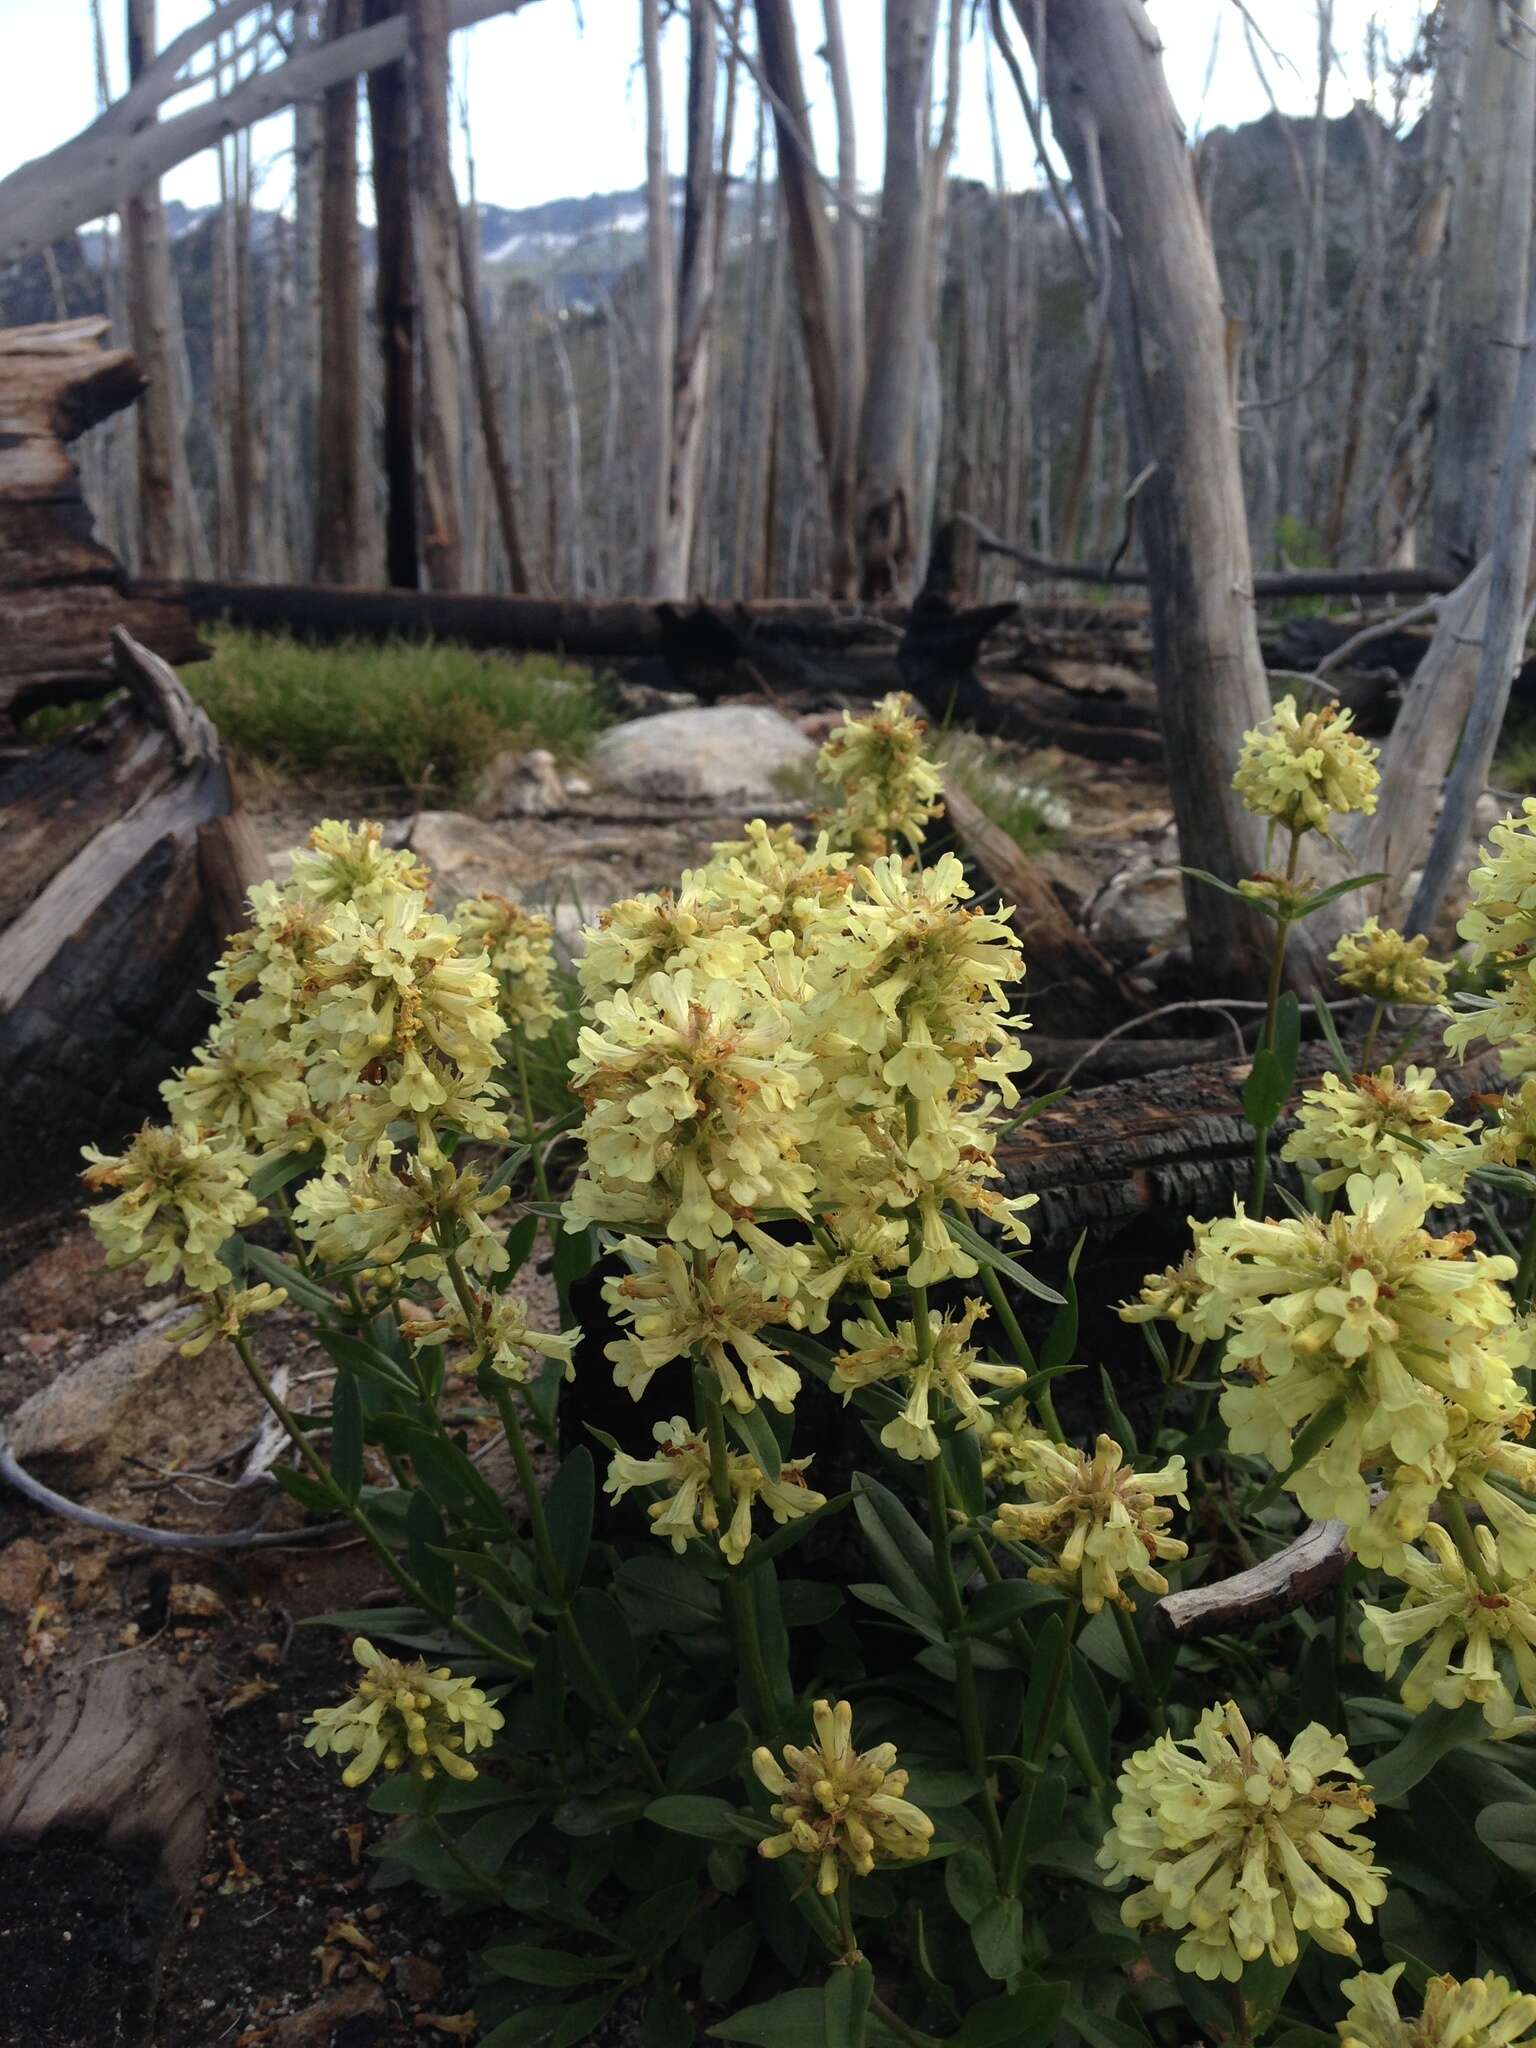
{"x": 839, "y": 1807}
{"x": 1510, "y": 1140}
{"x": 1378, "y": 1123}
{"x": 1242, "y": 1847}
{"x": 405, "y": 1716}
{"x": 498, "y": 1336}
{"x": 887, "y": 789}
{"x": 519, "y": 946}
{"x": 1098, "y": 1519}
{"x": 1378, "y": 962}
{"x": 1449, "y": 1608}
{"x": 1501, "y": 924}
{"x": 1473, "y": 2012}
{"x": 940, "y": 1373}
{"x": 403, "y": 1213}
{"x": 225, "y": 1313}
{"x": 180, "y": 1195}
{"x": 1397, "y": 1333}
{"x": 711, "y": 1307}
{"x": 1302, "y": 770}
{"x": 682, "y": 1465}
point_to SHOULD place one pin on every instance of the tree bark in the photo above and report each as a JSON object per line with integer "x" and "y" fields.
{"x": 1488, "y": 266}
{"x": 436, "y": 242}
{"x": 660, "y": 299}
{"x": 339, "y": 438}
{"x": 843, "y": 474}
{"x": 147, "y": 262}
{"x": 694, "y": 312}
{"x": 395, "y": 302}
{"x": 1108, "y": 96}
{"x": 887, "y": 510}
{"x": 502, "y": 489}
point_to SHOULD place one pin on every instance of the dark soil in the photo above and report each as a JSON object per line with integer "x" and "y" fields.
{"x": 79, "y": 1934}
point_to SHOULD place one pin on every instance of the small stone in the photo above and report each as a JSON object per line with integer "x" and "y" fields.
{"x": 189, "y": 1600}
{"x": 514, "y": 785}
{"x": 25, "y": 1569}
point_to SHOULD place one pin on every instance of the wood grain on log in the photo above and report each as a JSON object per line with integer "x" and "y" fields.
{"x": 61, "y": 591}
{"x": 128, "y": 864}
{"x": 1311, "y": 1565}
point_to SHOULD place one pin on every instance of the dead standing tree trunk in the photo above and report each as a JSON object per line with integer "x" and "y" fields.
{"x": 395, "y": 300}
{"x": 436, "y": 210}
{"x": 1490, "y": 243}
{"x": 147, "y": 264}
{"x": 661, "y": 299}
{"x": 339, "y": 437}
{"x": 1116, "y": 122}
{"x": 887, "y": 507}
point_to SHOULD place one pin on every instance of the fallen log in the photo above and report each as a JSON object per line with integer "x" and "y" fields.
{"x": 61, "y": 591}
{"x": 1311, "y": 1565}
{"x": 128, "y": 863}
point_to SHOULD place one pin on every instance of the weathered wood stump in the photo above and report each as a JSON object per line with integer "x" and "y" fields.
{"x": 61, "y": 591}
{"x": 127, "y": 865}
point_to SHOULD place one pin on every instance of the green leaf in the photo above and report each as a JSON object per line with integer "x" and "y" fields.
{"x": 1046, "y": 1700}
{"x": 1334, "y": 891}
{"x": 764, "y": 1549}
{"x": 1304, "y": 1448}
{"x": 582, "y": 2020}
{"x": 848, "y": 1992}
{"x": 990, "y": 1611}
{"x": 552, "y": 1966}
{"x": 347, "y": 1438}
{"x": 1288, "y": 1034}
{"x": 666, "y": 1593}
{"x": 425, "y": 1539}
{"x": 666, "y": 2022}
{"x": 357, "y": 1355}
{"x": 1100, "y": 2032}
{"x": 1266, "y": 1089}
{"x": 962, "y": 1456}
{"x": 530, "y": 2028}
{"x": 1061, "y": 1338}
{"x": 302, "y": 1291}
{"x": 989, "y": 1255}
{"x": 517, "y": 1244}
{"x": 807, "y": 1603}
{"x": 575, "y": 1253}
{"x": 997, "y": 1934}
{"x": 1434, "y": 1733}
{"x": 311, "y": 1494}
{"x": 1027, "y": 2018}
{"x": 595, "y": 1622}
{"x": 729, "y": 1963}
{"x": 884, "y": 1601}
{"x": 1508, "y": 1829}
{"x": 708, "y": 1820}
{"x": 795, "y": 2019}
{"x": 568, "y": 1511}
{"x": 1215, "y": 882}
{"x": 1341, "y": 1059}
{"x": 1119, "y": 1423}
{"x": 754, "y": 1432}
{"x": 651, "y": 1926}
{"x": 970, "y": 1883}
{"x": 901, "y": 1550}
{"x": 274, "y": 1174}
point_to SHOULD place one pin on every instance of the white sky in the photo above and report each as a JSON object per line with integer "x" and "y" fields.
{"x": 557, "y": 107}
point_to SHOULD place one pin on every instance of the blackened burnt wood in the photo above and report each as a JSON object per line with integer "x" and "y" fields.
{"x": 1157, "y": 1148}
{"x": 61, "y": 591}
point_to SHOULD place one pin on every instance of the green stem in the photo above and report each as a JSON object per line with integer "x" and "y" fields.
{"x": 761, "y": 1698}
{"x": 814, "y": 1909}
{"x": 1241, "y": 2021}
{"x": 531, "y": 1129}
{"x": 359, "y": 1518}
{"x": 1370, "y": 1036}
{"x": 966, "y": 1698}
{"x": 1455, "y": 1516}
{"x": 845, "y": 1916}
{"x": 1267, "y": 1041}
{"x": 1141, "y": 1671}
{"x": 1018, "y": 1343}
{"x": 1525, "y": 1278}
{"x": 1012, "y": 1877}
{"x": 302, "y": 1252}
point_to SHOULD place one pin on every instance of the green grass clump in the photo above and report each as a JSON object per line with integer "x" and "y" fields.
{"x": 426, "y": 717}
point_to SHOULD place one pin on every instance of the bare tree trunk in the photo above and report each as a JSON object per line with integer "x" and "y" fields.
{"x": 661, "y": 298}
{"x": 147, "y": 268}
{"x": 810, "y": 238}
{"x": 302, "y": 352}
{"x": 436, "y": 241}
{"x": 339, "y": 437}
{"x": 395, "y": 287}
{"x": 1109, "y": 101}
{"x": 490, "y": 419}
{"x": 843, "y": 474}
{"x": 694, "y": 310}
{"x": 1490, "y": 244}
{"x": 1069, "y": 535}
{"x": 898, "y": 308}
{"x": 1296, "y": 466}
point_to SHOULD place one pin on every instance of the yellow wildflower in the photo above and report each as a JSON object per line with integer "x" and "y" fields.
{"x": 1511, "y": 1139}
{"x": 403, "y": 1715}
{"x": 1173, "y": 1296}
{"x": 1099, "y": 1519}
{"x": 226, "y": 1314}
{"x": 1473, "y": 1457}
{"x": 947, "y": 1371}
{"x": 520, "y": 952}
{"x": 350, "y": 864}
{"x": 1302, "y": 770}
{"x": 182, "y": 1193}
{"x": 1010, "y": 1440}
{"x": 1378, "y": 962}
{"x": 673, "y": 1309}
{"x": 662, "y": 933}
{"x": 1473, "y": 2012}
{"x": 243, "y": 1081}
{"x": 886, "y": 787}
{"x": 840, "y": 1807}
{"x": 500, "y": 1336}
{"x": 682, "y": 1464}
{"x": 1446, "y": 1603}
{"x": 1501, "y": 918}
{"x": 1366, "y": 1310}
{"x": 1243, "y": 1846}
{"x": 1376, "y": 1123}
{"x": 391, "y": 1214}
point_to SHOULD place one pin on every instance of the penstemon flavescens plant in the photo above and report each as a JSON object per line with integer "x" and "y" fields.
{"x": 901, "y": 1794}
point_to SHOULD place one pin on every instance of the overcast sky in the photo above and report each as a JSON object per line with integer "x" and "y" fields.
{"x": 557, "y": 106}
